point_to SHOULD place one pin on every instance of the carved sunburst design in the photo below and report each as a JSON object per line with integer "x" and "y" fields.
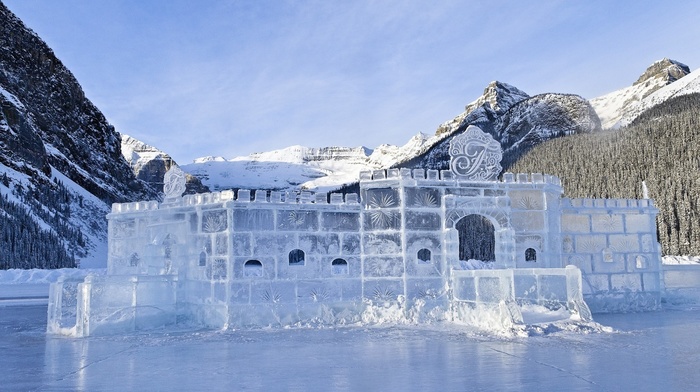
{"x": 528, "y": 203}
{"x": 380, "y": 217}
{"x": 319, "y": 295}
{"x": 213, "y": 223}
{"x": 383, "y": 294}
{"x": 271, "y": 296}
{"x": 531, "y": 241}
{"x": 589, "y": 246}
{"x": 609, "y": 222}
{"x": 625, "y": 245}
{"x": 427, "y": 293}
{"x": 296, "y": 219}
{"x": 425, "y": 199}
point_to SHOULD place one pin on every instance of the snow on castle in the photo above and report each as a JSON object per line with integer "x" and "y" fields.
{"x": 455, "y": 245}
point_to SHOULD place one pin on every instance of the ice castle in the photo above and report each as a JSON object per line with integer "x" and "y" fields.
{"x": 456, "y": 245}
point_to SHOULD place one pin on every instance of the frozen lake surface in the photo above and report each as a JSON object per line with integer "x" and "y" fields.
{"x": 646, "y": 352}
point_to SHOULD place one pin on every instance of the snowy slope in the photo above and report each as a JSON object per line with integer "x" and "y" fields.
{"x": 297, "y": 167}
{"x": 87, "y": 214}
{"x": 620, "y": 107}
{"x": 687, "y": 85}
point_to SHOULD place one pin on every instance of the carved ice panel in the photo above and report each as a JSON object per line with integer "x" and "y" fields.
{"x": 475, "y": 156}
{"x": 174, "y": 183}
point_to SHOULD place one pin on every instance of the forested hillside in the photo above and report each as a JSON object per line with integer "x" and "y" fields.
{"x": 24, "y": 243}
{"x": 661, "y": 148}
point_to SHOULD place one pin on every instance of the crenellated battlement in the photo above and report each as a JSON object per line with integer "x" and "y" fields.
{"x": 291, "y": 197}
{"x": 448, "y": 177}
{"x": 242, "y": 196}
{"x": 134, "y": 207}
{"x": 608, "y": 203}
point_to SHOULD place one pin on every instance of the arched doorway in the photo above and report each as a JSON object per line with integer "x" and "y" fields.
{"x": 477, "y": 239}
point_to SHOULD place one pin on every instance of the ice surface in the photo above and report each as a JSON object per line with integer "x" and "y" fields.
{"x": 651, "y": 351}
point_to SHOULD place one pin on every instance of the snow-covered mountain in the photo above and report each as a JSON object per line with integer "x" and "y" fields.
{"x": 299, "y": 167}
{"x": 620, "y": 107}
{"x": 689, "y": 84}
{"x": 147, "y": 162}
{"x": 516, "y": 119}
{"x": 60, "y": 160}
{"x": 150, "y": 164}
{"x": 497, "y": 98}
{"x": 525, "y": 124}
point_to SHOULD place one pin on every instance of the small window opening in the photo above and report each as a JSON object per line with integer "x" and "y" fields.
{"x": 424, "y": 256}
{"x": 607, "y": 255}
{"x": 296, "y": 257}
{"x": 531, "y": 255}
{"x": 339, "y": 267}
{"x": 641, "y": 262}
{"x": 203, "y": 259}
{"x": 134, "y": 260}
{"x": 253, "y": 268}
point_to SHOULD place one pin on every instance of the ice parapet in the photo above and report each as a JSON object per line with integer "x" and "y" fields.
{"x": 399, "y": 251}
{"x": 111, "y": 304}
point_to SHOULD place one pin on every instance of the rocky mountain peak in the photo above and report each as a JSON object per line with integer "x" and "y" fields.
{"x": 497, "y": 98}
{"x": 664, "y": 70}
{"x": 150, "y": 164}
{"x": 620, "y": 107}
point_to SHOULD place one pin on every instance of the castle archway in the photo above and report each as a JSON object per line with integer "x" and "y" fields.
{"x": 477, "y": 239}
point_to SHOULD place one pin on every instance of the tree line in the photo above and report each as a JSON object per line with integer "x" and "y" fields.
{"x": 24, "y": 243}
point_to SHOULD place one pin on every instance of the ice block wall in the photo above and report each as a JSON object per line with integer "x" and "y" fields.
{"x": 614, "y": 243}
{"x": 293, "y": 258}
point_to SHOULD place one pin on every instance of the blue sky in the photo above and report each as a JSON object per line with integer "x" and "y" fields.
{"x": 228, "y": 78}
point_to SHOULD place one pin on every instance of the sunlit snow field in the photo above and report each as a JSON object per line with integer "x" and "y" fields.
{"x": 657, "y": 351}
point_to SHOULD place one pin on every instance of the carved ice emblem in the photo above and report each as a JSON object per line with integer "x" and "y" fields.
{"x": 174, "y": 183}
{"x": 475, "y": 155}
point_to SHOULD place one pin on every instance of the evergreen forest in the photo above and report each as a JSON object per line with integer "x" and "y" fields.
{"x": 660, "y": 148}
{"x": 25, "y": 243}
